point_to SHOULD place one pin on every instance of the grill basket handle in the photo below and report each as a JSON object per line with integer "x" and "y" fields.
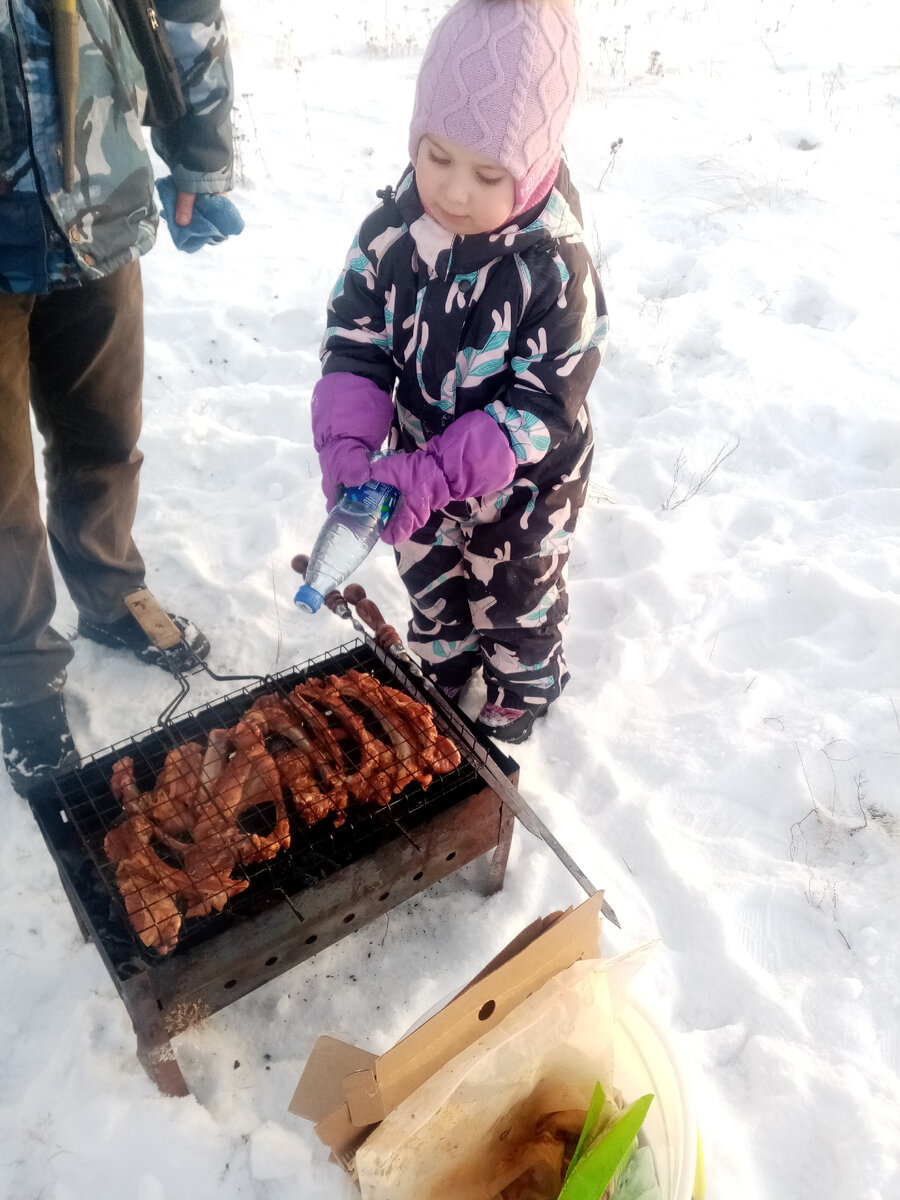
{"x": 153, "y": 619}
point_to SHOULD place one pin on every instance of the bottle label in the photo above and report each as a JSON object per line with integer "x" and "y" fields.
{"x": 379, "y": 499}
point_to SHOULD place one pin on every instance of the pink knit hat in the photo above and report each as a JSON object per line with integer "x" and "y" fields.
{"x": 500, "y": 77}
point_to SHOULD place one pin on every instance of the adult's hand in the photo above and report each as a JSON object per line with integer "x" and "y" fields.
{"x": 184, "y": 208}
{"x": 197, "y": 221}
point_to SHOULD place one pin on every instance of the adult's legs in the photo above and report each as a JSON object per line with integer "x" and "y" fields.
{"x": 87, "y": 357}
{"x": 33, "y": 656}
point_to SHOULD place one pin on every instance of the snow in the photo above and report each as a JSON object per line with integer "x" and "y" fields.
{"x": 724, "y": 760}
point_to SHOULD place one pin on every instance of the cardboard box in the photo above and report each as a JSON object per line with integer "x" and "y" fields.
{"x": 347, "y": 1091}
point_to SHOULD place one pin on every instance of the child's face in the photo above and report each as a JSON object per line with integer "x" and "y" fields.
{"x": 464, "y": 192}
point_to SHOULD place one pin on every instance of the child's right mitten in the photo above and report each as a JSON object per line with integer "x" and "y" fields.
{"x": 351, "y": 417}
{"x": 472, "y": 457}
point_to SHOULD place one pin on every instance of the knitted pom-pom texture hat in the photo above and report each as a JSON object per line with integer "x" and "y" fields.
{"x": 500, "y": 78}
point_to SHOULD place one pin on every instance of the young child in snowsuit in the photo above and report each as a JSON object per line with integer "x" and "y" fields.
{"x": 468, "y": 325}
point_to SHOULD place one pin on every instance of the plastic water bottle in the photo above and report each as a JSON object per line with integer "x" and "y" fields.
{"x": 350, "y": 532}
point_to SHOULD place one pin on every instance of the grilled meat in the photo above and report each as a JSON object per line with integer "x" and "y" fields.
{"x": 323, "y": 742}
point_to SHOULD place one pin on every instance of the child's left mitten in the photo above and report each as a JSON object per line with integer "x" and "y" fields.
{"x": 472, "y": 457}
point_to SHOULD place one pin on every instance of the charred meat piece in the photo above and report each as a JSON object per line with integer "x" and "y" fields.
{"x": 314, "y": 800}
{"x": 372, "y": 779}
{"x": 238, "y": 774}
{"x": 210, "y": 885}
{"x": 421, "y": 751}
{"x": 170, "y": 804}
{"x": 149, "y": 886}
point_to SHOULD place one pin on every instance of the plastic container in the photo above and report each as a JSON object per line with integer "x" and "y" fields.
{"x": 349, "y": 534}
{"x": 645, "y": 1062}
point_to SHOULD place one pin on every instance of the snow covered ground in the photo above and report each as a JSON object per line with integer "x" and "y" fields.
{"x": 724, "y": 761}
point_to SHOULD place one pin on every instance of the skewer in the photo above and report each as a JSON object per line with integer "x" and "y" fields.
{"x": 389, "y": 640}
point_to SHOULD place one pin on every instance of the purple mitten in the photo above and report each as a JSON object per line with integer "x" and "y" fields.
{"x": 351, "y": 417}
{"x": 344, "y": 463}
{"x": 472, "y": 457}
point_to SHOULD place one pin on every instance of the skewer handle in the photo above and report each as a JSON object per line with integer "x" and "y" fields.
{"x": 386, "y": 635}
{"x": 356, "y": 592}
{"x": 336, "y": 603}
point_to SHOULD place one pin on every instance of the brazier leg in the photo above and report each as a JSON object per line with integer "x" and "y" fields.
{"x": 497, "y": 869}
{"x": 154, "y": 1047}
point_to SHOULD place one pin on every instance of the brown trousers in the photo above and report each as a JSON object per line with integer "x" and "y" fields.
{"x": 75, "y": 357}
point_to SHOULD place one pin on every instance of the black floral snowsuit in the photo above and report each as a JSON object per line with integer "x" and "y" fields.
{"x": 512, "y": 323}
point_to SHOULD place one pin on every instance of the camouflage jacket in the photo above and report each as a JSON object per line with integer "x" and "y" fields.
{"x": 51, "y": 238}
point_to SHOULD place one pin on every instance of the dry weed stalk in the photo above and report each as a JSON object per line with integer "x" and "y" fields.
{"x": 697, "y": 482}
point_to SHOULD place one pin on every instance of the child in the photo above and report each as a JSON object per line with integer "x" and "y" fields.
{"x": 468, "y": 324}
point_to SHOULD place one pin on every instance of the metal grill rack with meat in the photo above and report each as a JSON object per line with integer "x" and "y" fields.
{"x": 210, "y": 854}
{"x": 324, "y": 743}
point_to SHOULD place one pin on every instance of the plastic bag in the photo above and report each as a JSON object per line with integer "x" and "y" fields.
{"x": 451, "y": 1137}
{"x": 638, "y": 1181}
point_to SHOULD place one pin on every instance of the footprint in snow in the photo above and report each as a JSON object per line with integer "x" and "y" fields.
{"x": 810, "y": 302}
{"x": 678, "y": 275}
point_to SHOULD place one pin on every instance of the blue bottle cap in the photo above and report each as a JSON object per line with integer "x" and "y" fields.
{"x": 308, "y": 599}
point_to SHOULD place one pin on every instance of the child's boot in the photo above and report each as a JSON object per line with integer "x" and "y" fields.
{"x": 507, "y": 724}
{"x": 450, "y": 677}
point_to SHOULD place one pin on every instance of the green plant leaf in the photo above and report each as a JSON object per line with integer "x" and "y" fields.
{"x": 597, "y": 1165}
{"x": 593, "y": 1114}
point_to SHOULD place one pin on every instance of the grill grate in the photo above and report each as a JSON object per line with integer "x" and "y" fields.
{"x": 331, "y": 881}
{"x": 87, "y": 805}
